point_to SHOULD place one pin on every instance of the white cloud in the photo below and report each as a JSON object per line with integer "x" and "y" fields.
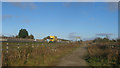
{"x": 24, "y": 5}
{"x": 6, "y": 16}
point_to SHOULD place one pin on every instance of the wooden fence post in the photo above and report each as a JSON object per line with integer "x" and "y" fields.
{"x": 18, "y": 45}
{"x": 6, "y": 57}
{"x": 26, "y": 45}
{"x": 32, "y": 46}
{"x": 7, "y": 48}
{"x": 55, "y": 49}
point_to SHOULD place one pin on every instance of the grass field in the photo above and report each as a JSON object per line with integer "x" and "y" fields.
{"x": 34, "y": 53}
{"x": 48, "y": 54}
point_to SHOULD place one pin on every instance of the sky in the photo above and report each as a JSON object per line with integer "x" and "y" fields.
{"x": 61, "y": 19}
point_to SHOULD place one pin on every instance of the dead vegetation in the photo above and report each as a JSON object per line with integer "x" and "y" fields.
{"x": 104, "y": 54}
{"x": 35, "y": 54}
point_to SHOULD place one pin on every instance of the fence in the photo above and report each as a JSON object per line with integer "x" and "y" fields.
{"x": 25, "y": 51}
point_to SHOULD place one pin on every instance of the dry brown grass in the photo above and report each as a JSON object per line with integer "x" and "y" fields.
{"x": 35, "y": 55}
{"x": 105, "y": 50}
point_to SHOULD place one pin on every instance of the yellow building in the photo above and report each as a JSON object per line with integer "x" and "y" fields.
{"x": 52, "y": 39}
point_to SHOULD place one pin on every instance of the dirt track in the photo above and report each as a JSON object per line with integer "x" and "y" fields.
{"x": 76, "y": 58}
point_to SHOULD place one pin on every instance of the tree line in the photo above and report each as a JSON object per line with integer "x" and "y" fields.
{"x": 105, "y": 40}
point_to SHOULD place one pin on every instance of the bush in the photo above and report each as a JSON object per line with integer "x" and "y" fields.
{"x": 101, "y": 40}
{"x": 118, "y": 40}
{"x": 103, "y": 52}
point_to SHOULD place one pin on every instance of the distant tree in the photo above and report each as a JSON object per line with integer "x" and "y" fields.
{"x": 118, "y": 40}
{"x": 97, "y": 40}
{"x": 80, "y": 40}
{"x": 48, "y": 37}
{"x": 101, "y": 40}
{"x": 17, "y": 36}
{"x": 113, "y": 40}
{"x": 31, "y": 36}
{"x": 106, "y": 40}
{"x": 23, "y": 33}
{"x": 28, "y": 37}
